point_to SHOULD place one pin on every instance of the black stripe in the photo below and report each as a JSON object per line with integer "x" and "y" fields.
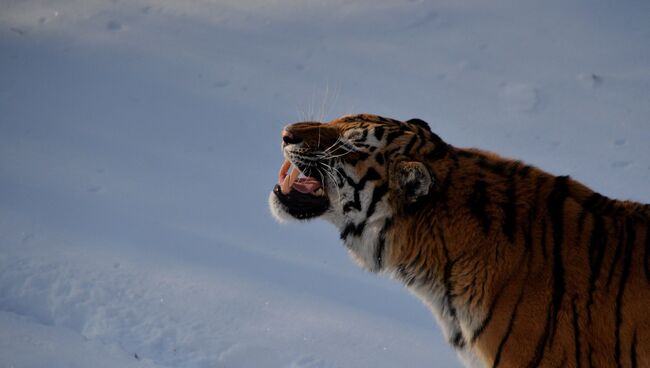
{"x": 446, "y": 277}
{"x": 541, "y": 343}
{"x": 633, "y": 358}
{"x": 532, "y": 215}
{"x": 423, "y": 140}
{"x": 379, "y": 157}
{"x": 617, "y": 252}
{"x": 505, "y": 169}
{"x": 440, "y": 148}
{"x": 377, "y": 195}
{"x": 389, "y": 154}
{"x": 627, "y": 261}
{"x": 591, "y": 202}
{"x": 556, "y": 212}
{"x": 600, "y": 204}
{"x": 457, "y": 340}
{"x": 379, "y": 251}
{"x": 495, "y": 299}
{"x": 449, "y": 294}
{"x": 392, "y": 136}
{"x": 364, "y": 136}
{"x": 352, "y": 229}
{"x": 410, "y": 144}
{"x": 356, "y": 201}
{"x": 387, "y": 120}
{"x": 497, "y": 357}
{"x": 581, "y": 224}
{"x": 608, "y": 208}
{"x": 378, "y": 132}
{"x": 596, "y": 256}
{"x": 499, "y": 168}
{"x": 576, "y": 332}
{"x": 352, "y": 205}
{"x": 466, "y": 154}
{"x": 510, "y": 212}
{"x": 488, "y": 318}
{"x": 514, "y": 312}
{"x": 407, "y": 278}
{"x": 478, "y": 202}
{"x": 528, "y": 236}
{"x": 371, "y": 174}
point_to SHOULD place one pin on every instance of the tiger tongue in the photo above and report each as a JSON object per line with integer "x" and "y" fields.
{"x": 306, "y": 185}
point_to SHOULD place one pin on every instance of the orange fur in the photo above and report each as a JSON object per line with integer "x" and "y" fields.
{"x": 514, "y": 278}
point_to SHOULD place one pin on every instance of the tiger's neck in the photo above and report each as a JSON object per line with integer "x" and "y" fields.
{"x": 454, "y": 285}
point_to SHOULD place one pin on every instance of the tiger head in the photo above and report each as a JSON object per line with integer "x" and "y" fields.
{"x": 357, "y": 172}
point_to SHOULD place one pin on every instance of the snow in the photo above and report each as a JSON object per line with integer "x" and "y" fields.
{"x": 139, "y": 140}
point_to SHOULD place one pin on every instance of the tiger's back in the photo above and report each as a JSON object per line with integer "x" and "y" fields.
{"x": 543, "y": 271}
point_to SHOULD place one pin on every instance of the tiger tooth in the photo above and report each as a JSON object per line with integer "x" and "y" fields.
{"x": 286, "y": 186}
{"x": 283, "y": 170}
{"x": 294, "y": 176}
{"x": 319, "y": 192}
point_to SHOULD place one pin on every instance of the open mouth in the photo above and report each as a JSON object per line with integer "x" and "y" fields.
{"x": 303, "y": 196}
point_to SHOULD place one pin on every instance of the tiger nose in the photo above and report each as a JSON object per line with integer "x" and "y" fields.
{"x": 290, "y": 138}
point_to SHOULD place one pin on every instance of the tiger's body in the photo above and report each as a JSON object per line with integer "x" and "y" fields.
{"x": 520, "y": 268}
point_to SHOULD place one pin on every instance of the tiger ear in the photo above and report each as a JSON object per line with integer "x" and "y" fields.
{"x": 412, "y": 180}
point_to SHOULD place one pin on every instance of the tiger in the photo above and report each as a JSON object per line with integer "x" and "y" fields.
{"x": 519, "y": 267}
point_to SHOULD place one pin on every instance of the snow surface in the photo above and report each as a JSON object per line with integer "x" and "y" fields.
{"x": 139, "y": 140}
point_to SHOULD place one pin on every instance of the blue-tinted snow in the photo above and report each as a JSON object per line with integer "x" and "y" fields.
{"x": 139, "y": 140}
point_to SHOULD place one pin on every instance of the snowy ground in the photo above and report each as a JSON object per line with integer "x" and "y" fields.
{"x": 139, "y": 140}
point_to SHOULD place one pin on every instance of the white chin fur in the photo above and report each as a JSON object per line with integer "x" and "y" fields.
{"x": 277, "y": 210}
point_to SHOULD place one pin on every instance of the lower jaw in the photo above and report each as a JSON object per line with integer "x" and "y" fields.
{"x": 308, "y": 209}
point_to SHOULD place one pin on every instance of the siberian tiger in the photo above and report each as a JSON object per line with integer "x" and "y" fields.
{"x": 520, "y": 268}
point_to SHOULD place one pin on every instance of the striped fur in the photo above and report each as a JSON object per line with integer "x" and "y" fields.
{"x": 520, "y": 268}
